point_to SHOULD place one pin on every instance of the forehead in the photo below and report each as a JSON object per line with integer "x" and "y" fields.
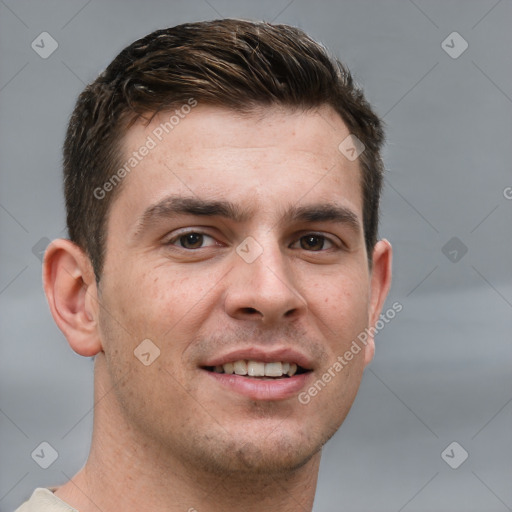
{"x": 267, "y": 160}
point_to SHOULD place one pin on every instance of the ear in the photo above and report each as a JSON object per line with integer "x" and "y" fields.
{"x": 379, "y": 287}
{"x": 70, "y": 286}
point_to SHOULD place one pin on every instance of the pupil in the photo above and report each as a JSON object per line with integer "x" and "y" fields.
{"x": 312, "y": 242}
{"x": 191, "y": 240}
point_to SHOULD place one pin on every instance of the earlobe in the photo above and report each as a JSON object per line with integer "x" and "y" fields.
{"x": 70, "y": 288}
{"x": 379, "y": 288}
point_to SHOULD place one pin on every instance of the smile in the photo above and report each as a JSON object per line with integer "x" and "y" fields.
{"x": 259, "y": 380}
{"x": 258, "y": 369}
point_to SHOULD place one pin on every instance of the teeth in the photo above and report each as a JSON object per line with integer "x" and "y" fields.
{"x": 228, "y": 368}
{"x": 274, "y": 369}
{"x": 255, "y": 369}
{"x": 258, "y": 368}
{"x": 240, "y": 367}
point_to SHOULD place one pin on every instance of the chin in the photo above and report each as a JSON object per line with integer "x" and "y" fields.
{"x": 263, "y": 453}
{"x": 279, "y": 460}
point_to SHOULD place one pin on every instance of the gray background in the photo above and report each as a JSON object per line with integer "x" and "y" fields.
{"x": 442, "y": 370}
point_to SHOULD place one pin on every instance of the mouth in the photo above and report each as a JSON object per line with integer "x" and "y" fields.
{"x": 260, "y": 375}
{"x": 259, "y": 369}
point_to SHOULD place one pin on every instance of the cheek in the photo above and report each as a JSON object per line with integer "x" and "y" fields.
{"x": 343, "y": 304}
{"x": 163, "y": 302}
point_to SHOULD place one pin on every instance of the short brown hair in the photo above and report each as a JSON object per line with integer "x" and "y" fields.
{"x": 236, "y": 64}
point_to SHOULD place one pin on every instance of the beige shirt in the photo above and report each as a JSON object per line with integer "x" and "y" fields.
{"x": 43, "y": 500}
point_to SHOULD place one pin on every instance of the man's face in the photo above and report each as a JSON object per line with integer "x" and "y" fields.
{"x": 283, "y": 281}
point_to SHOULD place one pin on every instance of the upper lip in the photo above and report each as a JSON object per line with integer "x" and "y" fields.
{"x": 265, "y": 355}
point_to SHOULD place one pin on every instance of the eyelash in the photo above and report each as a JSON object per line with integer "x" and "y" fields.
{"x": 176, "y": 238}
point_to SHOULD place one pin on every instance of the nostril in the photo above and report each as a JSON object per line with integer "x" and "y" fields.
{"x": 250, "y": 311}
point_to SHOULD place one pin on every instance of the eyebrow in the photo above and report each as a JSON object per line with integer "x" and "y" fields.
{"x": 172, "y": 206}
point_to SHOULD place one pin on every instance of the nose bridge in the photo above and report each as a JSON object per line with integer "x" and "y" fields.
{"x": 269, "y": 268}
{"x": 263, "y": 282}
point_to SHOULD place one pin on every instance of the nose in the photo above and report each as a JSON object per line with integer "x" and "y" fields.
{"x": 264, "y": 289}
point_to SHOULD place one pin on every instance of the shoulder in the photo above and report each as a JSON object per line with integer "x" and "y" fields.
{"x": 43, "y": 500}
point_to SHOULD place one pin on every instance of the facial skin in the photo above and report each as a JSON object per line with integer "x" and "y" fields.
{"x": 173, "y": 423}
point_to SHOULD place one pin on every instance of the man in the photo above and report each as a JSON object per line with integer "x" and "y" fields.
{"x": 222, "y": 185}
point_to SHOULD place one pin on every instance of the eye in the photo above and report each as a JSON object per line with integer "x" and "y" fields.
{"x": 192, "y": 240}
{"x": 315, "y": 242}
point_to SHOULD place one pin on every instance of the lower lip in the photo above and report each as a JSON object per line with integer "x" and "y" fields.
{"x": 258, "y": 389}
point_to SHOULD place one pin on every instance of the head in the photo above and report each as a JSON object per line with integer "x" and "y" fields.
{"x": 211, "y": 211}
{"x": 232, "y": 64}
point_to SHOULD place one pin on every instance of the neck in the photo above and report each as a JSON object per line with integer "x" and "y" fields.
{"x": 126, "y": 471}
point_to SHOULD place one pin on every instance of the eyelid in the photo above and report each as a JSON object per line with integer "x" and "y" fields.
{"x": 334, "y": 240}
{"x": 177, "y": 235}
